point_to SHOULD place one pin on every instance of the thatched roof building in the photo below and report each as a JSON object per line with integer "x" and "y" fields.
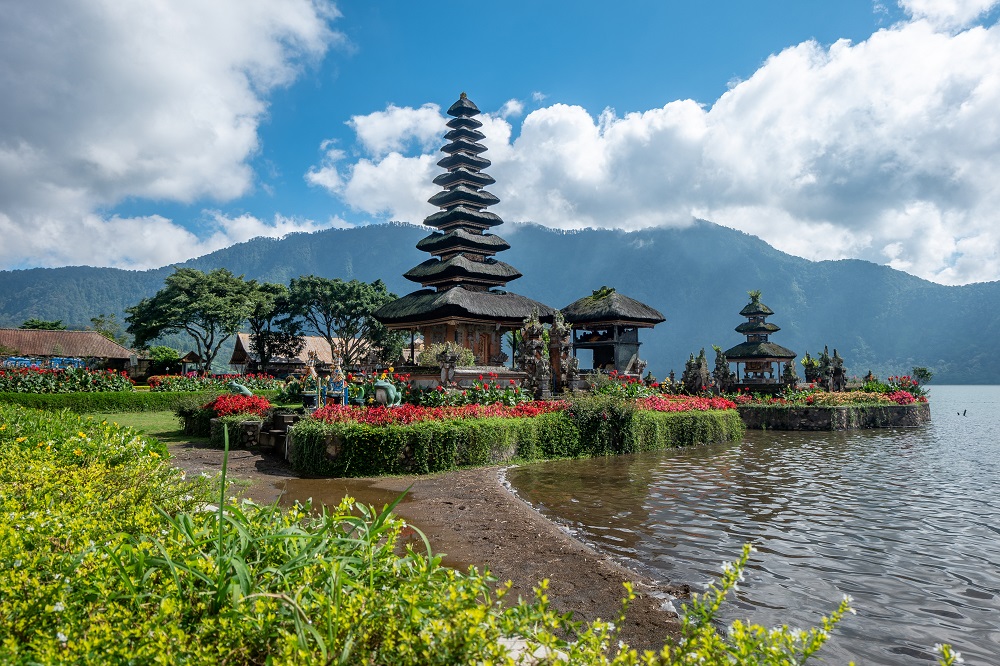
{"x": 45, "y": 345}
{"x": 462, "y": 301}
{"x": 760, "y": 358}
{"x": 607, "y": 323}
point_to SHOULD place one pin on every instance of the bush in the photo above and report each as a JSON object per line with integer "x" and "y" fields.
{"x": 138, "y": 401}
{"x": 591, "y": 427}
{"x": 59, "y": 380}
{"x": 219, "y": 383}
{"x": 107, "y": 556}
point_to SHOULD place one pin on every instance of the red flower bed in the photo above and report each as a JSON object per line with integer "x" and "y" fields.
{"x": 227, "y": 404}
{"x": 405, "y": 414}
{"x": 683, "y": 403}
{"x": 902, "y": 397}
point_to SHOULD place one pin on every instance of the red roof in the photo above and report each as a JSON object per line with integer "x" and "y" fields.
{"x": 82, "y": 344}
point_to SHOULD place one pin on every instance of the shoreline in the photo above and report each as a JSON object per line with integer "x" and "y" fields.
{"x": 474, "y": 518}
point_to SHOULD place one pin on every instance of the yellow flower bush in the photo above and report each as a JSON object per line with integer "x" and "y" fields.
{"x": 108, "y": 556}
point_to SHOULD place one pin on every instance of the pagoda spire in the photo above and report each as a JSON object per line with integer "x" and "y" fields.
{"x": 462, "y": 252}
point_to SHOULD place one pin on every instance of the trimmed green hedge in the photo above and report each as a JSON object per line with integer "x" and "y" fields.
{"x": 353, "y": 449}
{"x": 139, "y": 401}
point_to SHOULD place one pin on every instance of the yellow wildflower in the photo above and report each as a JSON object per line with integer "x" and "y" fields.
{"x": 21, "y": 439}
{"x": 81, "y": 435}
{"x": 154, "y": 454}
{"x": 78, "y": 452}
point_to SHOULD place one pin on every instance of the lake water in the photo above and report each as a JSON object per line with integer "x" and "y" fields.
{"x": 906, "y": 521}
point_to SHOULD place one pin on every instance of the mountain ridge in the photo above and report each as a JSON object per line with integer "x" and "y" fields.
{"x": 879, "y": 318}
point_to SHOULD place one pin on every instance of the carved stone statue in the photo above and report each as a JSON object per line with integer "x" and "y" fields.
{"x": 696, "y": 378}
{"x": 531, "y": 358}
{"x": 724, "y": 378}
{"x": 838, "y": 373}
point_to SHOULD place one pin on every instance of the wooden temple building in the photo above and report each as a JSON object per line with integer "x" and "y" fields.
{"x": 462, "y": 300}
{"x": 608, "y": 323}
{"x": 761, "y": 359}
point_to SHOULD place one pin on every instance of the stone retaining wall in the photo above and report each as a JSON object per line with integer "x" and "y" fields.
{"x": 835, "y": 418}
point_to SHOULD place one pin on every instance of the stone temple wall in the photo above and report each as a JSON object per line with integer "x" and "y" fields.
{"x": 835, "y": 418}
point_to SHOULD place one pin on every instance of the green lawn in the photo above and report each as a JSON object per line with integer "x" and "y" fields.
{"x": 164, "y": 426}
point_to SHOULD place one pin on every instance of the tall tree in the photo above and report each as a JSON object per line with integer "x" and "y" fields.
{"x": 43, "y": 325}
{"x": 210, "y": 307}
{"x": 274, "y": 331}
{"x": 110, "y": 327}
{"x": 341, "y": 312}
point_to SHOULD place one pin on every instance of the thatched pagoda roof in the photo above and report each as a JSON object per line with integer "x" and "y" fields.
{"x": 464, "y": 123}
{"x": 429, "y": 305}
{"x": 465, "y": 133}
{"x": 463, "y": 145}
{"x": 463, "y": 216}
{"x": 607, "y": 306}
{"x": 758, "y": 350}
{"x": 464, "y": 107}
{"x": 489, "y": 271}
{"x": 761, "y": 327}
{"x": 755, "y": 308}
{"x": 459, "y": 240}
{"x": 464, "y": 177}
{"x": 464, "y": 160}
{"x": 462, "y": 195}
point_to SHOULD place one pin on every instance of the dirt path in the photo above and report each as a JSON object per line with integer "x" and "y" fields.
{"x": 474, "y": 518}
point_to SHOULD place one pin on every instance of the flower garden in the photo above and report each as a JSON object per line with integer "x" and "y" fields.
{"x": 109, "y": 554}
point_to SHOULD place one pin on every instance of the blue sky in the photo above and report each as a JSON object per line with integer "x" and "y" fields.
{"x": 138, "y": 135}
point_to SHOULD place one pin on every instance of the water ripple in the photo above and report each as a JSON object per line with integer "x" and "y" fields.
{"x": 905, "y": 521}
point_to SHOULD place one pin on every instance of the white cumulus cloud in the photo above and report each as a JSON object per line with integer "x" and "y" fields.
{"x": 885, "y": 150}
{"x": 948, "y": 13}
{"x": 105, "y": 101}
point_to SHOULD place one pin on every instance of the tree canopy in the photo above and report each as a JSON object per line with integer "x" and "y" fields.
{"x": 110, "y": 327}
{"x": 43, "y": 325}
{"x": 210, "y": 307}
{"x": 273, "y": 329}
{"x": 341, "y": 312}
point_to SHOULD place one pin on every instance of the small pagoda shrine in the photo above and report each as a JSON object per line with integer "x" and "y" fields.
{"x": 761, "y": 359}
{"x": 461, "y": 301}
{"x": 608, "y": 323}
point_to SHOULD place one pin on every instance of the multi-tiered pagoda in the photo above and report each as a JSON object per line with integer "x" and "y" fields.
{"x": 761, "y": 359}
{"x": 461, "y": 301}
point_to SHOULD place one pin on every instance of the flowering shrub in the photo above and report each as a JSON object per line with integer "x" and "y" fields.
{"x": 229, "y": 404}
{"x": 872, "y": 393}
{"x": 906, "y": 383}
{"x": 120, "y": 559}
{"x": 58, "y": 380}
{"x": 406, "y": 414}
{"x": 487, "y": 390}
{"x": 621, "y": 385}
{"x": 683, "y": 403}
{"x": 902, "y": 397}
{"x": 194, "y": 382}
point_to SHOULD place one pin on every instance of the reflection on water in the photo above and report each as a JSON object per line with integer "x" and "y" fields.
{"x": 906, "y": 521}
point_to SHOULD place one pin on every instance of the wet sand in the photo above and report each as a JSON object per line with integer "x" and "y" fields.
{"x": 472, "y": 517}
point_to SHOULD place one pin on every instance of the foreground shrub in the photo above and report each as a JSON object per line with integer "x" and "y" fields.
{"x": 345, "y": 441}
{"x": 348, "y": 448}
{"x": 229, "y": 404}
{"x": 107, "y": 556}
{"x": 195, "y": 382}
{"x": 405, "y": 414}
{"x": 84, "y": 403}
{"x": 62, "y": 380}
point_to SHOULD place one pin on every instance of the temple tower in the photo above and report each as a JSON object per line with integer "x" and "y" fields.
{"x": 761, "y": 359}
{"x": 461, "y": 301}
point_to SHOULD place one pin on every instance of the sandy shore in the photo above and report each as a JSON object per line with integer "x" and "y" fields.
{"x": 475, "y": 519}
